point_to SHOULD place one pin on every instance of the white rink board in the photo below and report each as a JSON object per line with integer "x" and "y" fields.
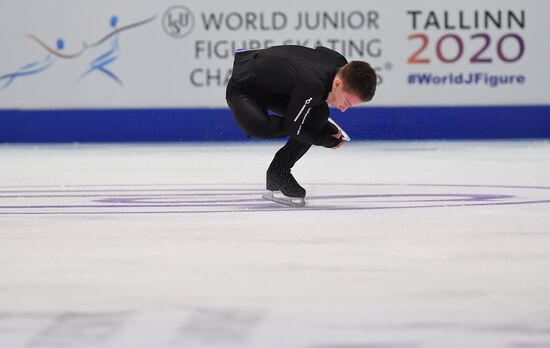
{"x": 445, "y": 244}
{"x": 184, "y": 62}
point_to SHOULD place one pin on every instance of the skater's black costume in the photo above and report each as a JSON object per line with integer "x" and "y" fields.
{"x": 293, "y": 83}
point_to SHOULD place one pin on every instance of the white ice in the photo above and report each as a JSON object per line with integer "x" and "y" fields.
{"x": 406, "y": 244}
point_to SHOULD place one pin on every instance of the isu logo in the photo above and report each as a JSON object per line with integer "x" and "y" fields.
{"x": 178, "y": 21}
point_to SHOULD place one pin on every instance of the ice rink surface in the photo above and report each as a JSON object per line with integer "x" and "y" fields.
{"x": 402, "y": 245}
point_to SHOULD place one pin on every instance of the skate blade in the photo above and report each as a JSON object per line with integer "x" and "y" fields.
{"x": 285, "y": 200}
{"x": 345, "y": 136}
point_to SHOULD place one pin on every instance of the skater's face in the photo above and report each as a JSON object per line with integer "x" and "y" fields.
{"x": 339, "y": 97}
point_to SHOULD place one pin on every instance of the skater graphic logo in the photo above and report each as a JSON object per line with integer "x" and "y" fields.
{"x": 99, "y": 65}
{"x": 38, "y": 66}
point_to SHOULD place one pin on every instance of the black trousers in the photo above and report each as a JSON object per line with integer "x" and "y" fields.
{"x": 251, "y": 114}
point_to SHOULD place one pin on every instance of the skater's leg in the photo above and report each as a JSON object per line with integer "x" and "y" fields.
{"x": 279, "y": 176}
{"x": 293, "y": 150}
{"x": 289, "y": 154}
{"x": 251, "y": 115}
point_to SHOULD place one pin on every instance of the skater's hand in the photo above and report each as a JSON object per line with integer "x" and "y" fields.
{"x": 339, "y": 137}
{"x": 329, "y": 141}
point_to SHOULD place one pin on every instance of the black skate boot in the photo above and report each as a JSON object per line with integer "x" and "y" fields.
{"x": 279, "y": 178}
{"x": 284, "y": 181}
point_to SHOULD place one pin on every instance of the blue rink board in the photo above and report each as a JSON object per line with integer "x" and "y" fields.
{"x": 372, "y": 123}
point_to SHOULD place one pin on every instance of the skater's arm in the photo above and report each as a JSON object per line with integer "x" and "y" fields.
{"x": 303, "y": 106}
{"x": 321, "y": 139}
{"x": 320, "y": 130}
{"x": 304, "y": 97}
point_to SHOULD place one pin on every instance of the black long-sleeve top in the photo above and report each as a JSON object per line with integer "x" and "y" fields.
{"x": 293, "y": 81}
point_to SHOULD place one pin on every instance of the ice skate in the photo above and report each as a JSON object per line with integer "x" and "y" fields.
{"x": 284, "y": 189}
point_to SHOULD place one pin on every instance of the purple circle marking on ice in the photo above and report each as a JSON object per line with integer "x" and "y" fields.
{"x": 225, "y": 198}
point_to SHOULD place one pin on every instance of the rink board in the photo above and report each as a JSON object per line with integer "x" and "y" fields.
{"x": 376, "y": 123}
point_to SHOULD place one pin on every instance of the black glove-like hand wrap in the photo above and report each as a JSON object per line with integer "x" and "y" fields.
{"x": 327, "y": 141}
